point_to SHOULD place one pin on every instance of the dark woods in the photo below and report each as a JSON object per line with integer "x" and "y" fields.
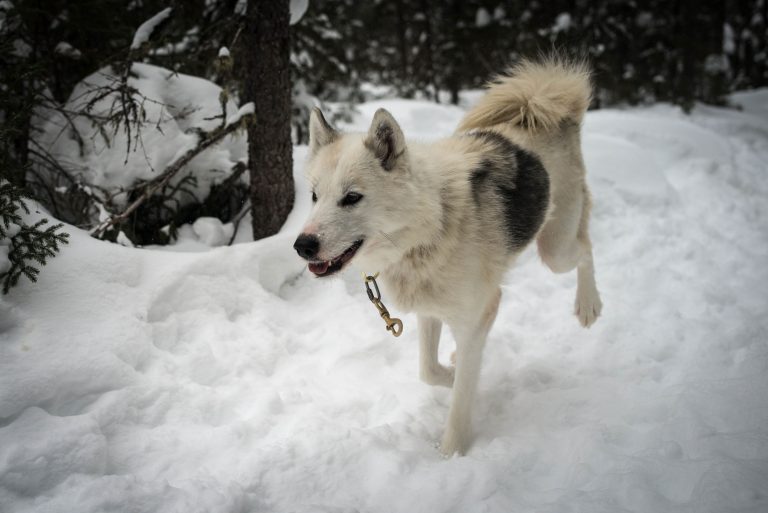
{"x": 643, "y": 51}
{"x": 676, "y": 50}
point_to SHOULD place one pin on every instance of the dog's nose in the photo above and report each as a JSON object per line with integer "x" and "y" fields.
{"x": 307, "y": 246}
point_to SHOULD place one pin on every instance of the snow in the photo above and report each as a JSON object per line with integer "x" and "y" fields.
{"x": 144, "y": 32}
{"x": 21, "y": 49}
{"x": 173, "y": 105}
{"x": 5, "y": 6}
{"x": 245, "y": 110}
{"x": 297, "y": 8}
{"x": 752, "y": 102}
{"x": 563, "y": 22}
{"x": 212, "y": 232}
{"x": 421, "y": 119}
{"x": 5, "y": 264}
{"x": 123, "y": 240}
{"x": 229, "y": 380}
{"x": 482, "y": 17}
{"x": 10, "y": 229}
{"x": 729, "y": 43}
{"x": 223, "y": 51}
{"x": 67, "y": 50}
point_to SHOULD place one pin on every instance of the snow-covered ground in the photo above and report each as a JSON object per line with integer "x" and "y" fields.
{"x": 231, "y": 381}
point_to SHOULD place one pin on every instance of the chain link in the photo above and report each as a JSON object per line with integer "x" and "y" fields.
{"x": 394, "y": 325}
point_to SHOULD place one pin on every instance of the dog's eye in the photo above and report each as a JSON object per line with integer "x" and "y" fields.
{"x": 314, "y": 197}
{"x": 350, "y": 199}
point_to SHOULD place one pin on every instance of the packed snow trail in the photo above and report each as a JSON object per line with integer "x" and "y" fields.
{"x": 231, "y": 381}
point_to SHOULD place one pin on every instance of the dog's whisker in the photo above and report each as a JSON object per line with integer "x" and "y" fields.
{"x": 389, "y": 238}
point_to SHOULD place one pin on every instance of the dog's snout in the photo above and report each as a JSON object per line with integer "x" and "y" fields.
{"x": 307, "y": 246}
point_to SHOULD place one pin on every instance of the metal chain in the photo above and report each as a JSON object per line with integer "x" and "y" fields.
{"x": 394, "y": 325}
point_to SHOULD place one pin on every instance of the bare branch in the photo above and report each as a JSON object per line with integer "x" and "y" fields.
{"x": 246, "y": 208}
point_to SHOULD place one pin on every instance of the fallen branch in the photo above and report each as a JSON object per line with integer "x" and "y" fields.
{"x": 205, "y": 141}
{"x": 243, "y": 211}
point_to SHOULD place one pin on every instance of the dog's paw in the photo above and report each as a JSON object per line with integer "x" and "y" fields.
{"x": 454, "y": 442}
{"x": 588, "y": 307}
{"x": 441, "y": 376}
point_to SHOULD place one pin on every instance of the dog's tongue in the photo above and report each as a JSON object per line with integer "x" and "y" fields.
{"x": 319, "y": 267}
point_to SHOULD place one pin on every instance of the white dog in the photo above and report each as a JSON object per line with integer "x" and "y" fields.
{"x": 443, "y": 221}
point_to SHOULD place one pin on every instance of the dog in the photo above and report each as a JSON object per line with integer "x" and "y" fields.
{"x": 442, "y": 221}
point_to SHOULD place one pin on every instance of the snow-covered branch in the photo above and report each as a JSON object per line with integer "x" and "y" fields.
{"x": 204, "y": 141}
{"x": 144, "y": 32}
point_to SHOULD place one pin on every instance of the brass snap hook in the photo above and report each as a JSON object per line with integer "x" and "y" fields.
{"x": 395, "y": 325}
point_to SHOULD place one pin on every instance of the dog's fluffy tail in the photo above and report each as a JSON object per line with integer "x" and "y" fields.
{"x": 536, "y": 95}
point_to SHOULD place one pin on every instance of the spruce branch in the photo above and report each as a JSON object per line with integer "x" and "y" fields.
{"x": 29, "y": 247}
{"x": 11, "y": 202}
{"x": 32, "y": 243}
{"x": 205, "y": 140}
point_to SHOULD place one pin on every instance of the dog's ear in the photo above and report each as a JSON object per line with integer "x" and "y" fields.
{"x": 320, "y": 132}
{"x": 385, "y": 139}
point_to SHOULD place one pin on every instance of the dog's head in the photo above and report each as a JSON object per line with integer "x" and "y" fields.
{"x": 359, "y": 183}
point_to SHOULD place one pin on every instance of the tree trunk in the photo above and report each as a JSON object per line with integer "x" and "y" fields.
{"x": 429, "y": 58}
{"x": 687, "y": 39}
{"x": 453, "y": 78}
{"x": 266, "y": 60}
{"x": 402, "y": 46}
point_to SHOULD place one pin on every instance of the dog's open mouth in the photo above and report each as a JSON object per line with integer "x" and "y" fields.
{"x": 329, "y": 267}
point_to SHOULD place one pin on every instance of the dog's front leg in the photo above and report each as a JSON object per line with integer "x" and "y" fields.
{"x": 431, "y": 371}
{"x": 470, "y": 339}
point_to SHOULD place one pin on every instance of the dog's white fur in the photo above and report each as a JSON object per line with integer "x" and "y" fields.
{"x": 437, "y": 238}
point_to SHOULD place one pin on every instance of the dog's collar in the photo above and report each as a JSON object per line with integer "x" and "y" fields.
{"x": 394, "y": 325}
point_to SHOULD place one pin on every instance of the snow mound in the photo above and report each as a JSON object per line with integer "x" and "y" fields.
{"x": 229, "y": 380}
{"x": 171, "y": 104}
{"x": 753, "y": 102}
{"x": 211, "y": 232}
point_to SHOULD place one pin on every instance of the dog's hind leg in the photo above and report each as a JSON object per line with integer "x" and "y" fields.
{"x": 470, "y": 340}
{"x": 558, "y": 241}
{"x": 588, "y": 305}
{"x": 564, "y": 244}
{"x": 430, "y": 369}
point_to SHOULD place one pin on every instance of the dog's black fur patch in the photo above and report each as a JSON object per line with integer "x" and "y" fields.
{"x": 479, "y": 177}
{"x": 516, "y": 179}
{"x": 525, "y": 204}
